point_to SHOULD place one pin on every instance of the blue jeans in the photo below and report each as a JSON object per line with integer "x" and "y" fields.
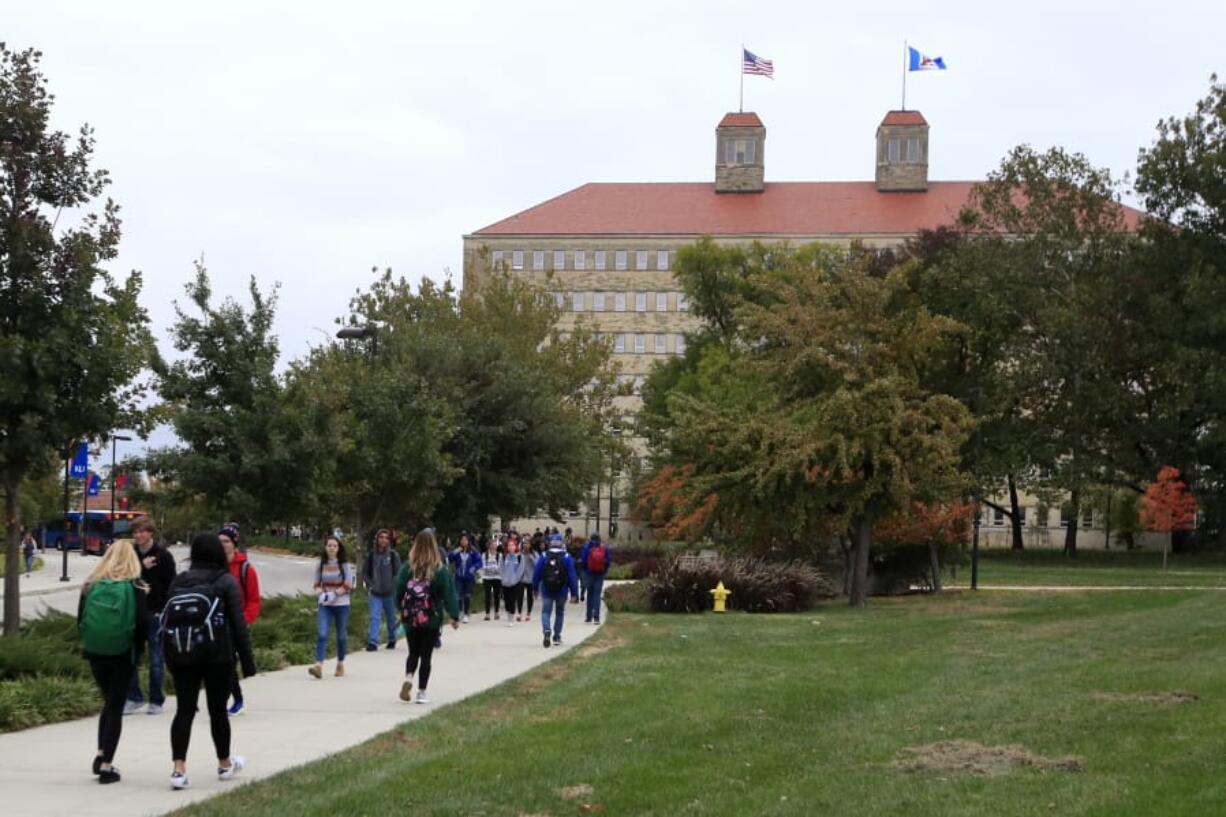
{"x": 157, "y": 669}
{"x": 595, "y": 587}
{"x": 384, "y": 606}
{"x": 556, "y": 606}
{"x": 329, "y": 614}
{"x": 464, "y": 590}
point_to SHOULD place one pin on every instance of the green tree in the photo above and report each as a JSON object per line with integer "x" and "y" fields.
{"x": 72, "y": 338}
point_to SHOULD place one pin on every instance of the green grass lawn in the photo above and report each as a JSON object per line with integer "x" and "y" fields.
{"x": 1097, "y": 568}
{"x": 807, "y": 714}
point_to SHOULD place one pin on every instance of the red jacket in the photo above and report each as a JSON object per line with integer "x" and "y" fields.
{"x": 250, "y": 589}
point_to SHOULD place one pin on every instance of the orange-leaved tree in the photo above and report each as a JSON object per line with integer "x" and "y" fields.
{"x": 1168, "y": 505}
{"x": 937, "y": 526}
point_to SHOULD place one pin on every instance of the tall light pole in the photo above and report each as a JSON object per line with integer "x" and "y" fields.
{"x": 114, "y": 439}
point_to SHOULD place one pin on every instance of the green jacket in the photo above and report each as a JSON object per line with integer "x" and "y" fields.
{"x": 442, "y": 593}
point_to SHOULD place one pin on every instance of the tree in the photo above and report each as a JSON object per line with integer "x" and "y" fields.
{"x": 72, "y": 338}
{"x": 939, "y": 527}
{"x": 1168, "y": 506}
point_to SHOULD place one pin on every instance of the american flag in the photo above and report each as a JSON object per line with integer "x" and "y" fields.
{"x": 753, "y": 64}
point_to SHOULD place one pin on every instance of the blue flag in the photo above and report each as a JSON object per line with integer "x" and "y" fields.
{"x": 923, "y": 62}
{"x": 80, "y": 461}
{"x": 94, "y": 484}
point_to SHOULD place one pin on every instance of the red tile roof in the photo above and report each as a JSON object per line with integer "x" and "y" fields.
{"x": 904, "y": 118}
{"x": 740, "y": 120}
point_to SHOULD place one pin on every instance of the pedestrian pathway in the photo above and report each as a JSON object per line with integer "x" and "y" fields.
{"x": 292, "y": 719}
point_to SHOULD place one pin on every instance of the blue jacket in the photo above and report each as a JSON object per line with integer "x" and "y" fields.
{"x": 571, "y": 579}
{"x": 608, "y": 556}
{"x": 466, "y": 565}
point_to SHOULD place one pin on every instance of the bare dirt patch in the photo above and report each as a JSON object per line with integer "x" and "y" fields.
{"x": 969, "y": 757}
{"x": 610, "y": 642}
{"x": 1158, "y": 697}
{"x": 575, "y": 792}
{"x": 391, "y": 742}
{"x": 545, "y": 676}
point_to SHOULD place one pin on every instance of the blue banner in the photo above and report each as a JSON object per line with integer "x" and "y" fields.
{"x": 80, "y": 462}
{"x": 94, "y": 484}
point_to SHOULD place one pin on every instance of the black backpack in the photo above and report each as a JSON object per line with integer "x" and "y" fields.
{"x": 553, "y": 574}
{"x": 194, "y": 627}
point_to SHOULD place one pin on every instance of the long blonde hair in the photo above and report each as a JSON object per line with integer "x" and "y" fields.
{"x": 423, "y": 556}
{"x": 119, "y": 563}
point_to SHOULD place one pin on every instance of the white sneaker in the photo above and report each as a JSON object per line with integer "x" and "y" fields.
{"x": 421, "y": 697}
{"x": 132, "y": 707}
{"x": 237, "y": 762}
{"x": 154, "y": 709}
{"x": 510, "y": 623}
{"x": 465, "y": 619}
{"x": 178, "y": 780}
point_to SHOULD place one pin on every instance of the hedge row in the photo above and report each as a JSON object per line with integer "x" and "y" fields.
{"x": 683, "y": 585}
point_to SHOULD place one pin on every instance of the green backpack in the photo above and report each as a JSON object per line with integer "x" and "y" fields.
{"x": 108, "y": 620}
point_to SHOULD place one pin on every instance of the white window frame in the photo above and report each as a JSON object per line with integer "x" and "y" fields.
{"x": 640, "y": 302}
{"x": 619, "y": 260}
{"x": 598, "y": 302}
{"x": 661, "y": 301}
{"x": 538, "y": 260}
{"x": 640, "y": 259}
{"x": 496, "y": 259}
{"x": 619, "y": 302}
{"x": 578, "y": 301}
{"x": 893, "y": 151}
{"x": 580, "y": 259}
{"x": 679, "y": 344}
{"x": 640, "y": 344}
{"x": 662, "y": 260}
{"x": 517, "y": 259}
{"x": 913, "y": 151}
{"x": 619, "y": 343}
{"x": 601, "y": 259}
{"x": 559, "y": 259}
{"x": 660, "y": 345}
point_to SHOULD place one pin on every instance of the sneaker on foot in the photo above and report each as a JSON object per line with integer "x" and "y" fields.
{"x": 340, "y": 670}
{"x": 372, "y": 647}
{"x": 154, "y": 709}
{"x": 237, "y": 762}
{"x": 421, "y": 697}
{"x": 546, "y": 638}
{"x": 391, "y": 645}
{"x": 406, "y": 691}
{"x": 487, "y": 618}
{"x": 110, "y": 775}
{"x": 178, "y": 780}
{"x": 587, "y": 621}
{"x": 596, "y": 621}
{"x": 315, "y": 671}
{"x": 97, "y": 765}
{"x": 465, "y": 619}
{"x": 497, "y": 616}
{"x": 438, "y": 642}
{"x": 510, "y": 623}
{"x": 132, "y": 707}
{"x": 237, "y": 707}
{"x": 557, "y": 641}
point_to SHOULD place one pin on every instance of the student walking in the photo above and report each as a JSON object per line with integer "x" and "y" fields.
{"x": 427, "y": 590}
{"x": 28, "y": 546}
{"x": 111, "y": 618}
{"x": 467, "y": 563}
{"x": 555, "y": 574}
{"x": 157, "y": 571}
{"x": 334, "y": 581}
{"x": 249, "y": 590}
{"x": 512, "y": 573}
{"x": 491, "y": 577}
{"x": 203, "y": 629}
{"x": 526, "y": 589}
{"x": 595, "y": 559}
{"x": 379, "y": 569}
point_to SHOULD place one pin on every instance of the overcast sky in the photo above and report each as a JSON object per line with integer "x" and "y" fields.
{"x": 306, "y": 142}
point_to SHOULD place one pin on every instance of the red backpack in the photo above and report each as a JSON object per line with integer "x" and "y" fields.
{"x": 597, "y": 559}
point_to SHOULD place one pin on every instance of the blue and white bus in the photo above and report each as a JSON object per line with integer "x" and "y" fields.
{"x": 101, "y": 528}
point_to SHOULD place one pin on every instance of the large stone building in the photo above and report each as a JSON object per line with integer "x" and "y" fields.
{"x": 606, "y": 250}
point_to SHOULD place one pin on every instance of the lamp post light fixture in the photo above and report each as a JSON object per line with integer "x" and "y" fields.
{"x": 362, "y": 333}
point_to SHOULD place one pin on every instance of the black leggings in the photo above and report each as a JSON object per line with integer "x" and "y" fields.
{"x": 113, "y": 674}
{"x": 493, "y": 591}
{"x": 216, "y": 681}
{"x": 514, "y": 598}
{"x": 421, "y": 648}
{"x": 529, "y": 595}
{"x": 236, "y": 689}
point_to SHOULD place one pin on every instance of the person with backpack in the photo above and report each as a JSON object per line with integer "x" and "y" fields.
{"x": 555, "y": 574}
{"x": 511, "y": 574}
{"x": 527, "y": 593}
{"x": 379, "y": 569}
{"x": 596, "y": 560}
{"x": 203, "y": 629}
{"x": 491, "y": 577}
{"x": 467, "y": 563}
{"x": 249, "y": 588}
{"x": 111, "y": 619}
{"x": 157, "y": 571}
{"x": 28, "y": 546}
{"x": 334, "y": 579}
{"x": 575, "y": 548}
{"x": 426, "y": 591}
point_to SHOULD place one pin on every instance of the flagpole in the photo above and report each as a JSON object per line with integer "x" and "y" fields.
{"x": 741, "y": 62}
{"x": 904, "y": 75}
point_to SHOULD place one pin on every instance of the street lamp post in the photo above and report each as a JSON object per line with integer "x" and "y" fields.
{"x": 114, "y": 439}
{"x": 362, "y": 333}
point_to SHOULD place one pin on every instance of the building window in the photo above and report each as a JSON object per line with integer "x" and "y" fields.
{"x": 739, "y": 151}
{"x": 600, "y": 259}
{"x": 998, "y": 516}
{"x": 640, "y": 259}
{"x": 661, "y": 301}
{"x": 559, "y": 300}
{"x": 1087, "y": 519}
{"x": 598, "y": 302}
{"x": 619, "y": 343}
{"x": 683, "y": 302}
{"x": 538, "y": 259}
{"x": 661, "y": 259}
{"x": 619, "y": 302}
{"x": 894, "y": 151}
{"x": 577, "y": 301}
{"x": 619, "y": 260}
{"x": 679, "y": 344}
{"x": 559, "y": 259}
{"x": 640, "y": 344}
{"x": 913, "y": 151}
{"x": 661, "y": 345}
{"x": 517, "y": 259}
{"x": 580, "y": 257}
{"x": 497, "y": 259}
{"x": 640, "y": 302}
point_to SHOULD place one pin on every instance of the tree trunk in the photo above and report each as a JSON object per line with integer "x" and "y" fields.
{"x": 1107, "y": 525}
{"x": 934, "y": 558}
{"x": 862, "y": 539}
{"x": 12, "y": 558}
{"x": 1015, "y": 517}
{"x": 1070, "y": 533}
{"x": 845, "y": 546}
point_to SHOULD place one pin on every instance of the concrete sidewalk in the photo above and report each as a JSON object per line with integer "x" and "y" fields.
{"x": 292, "y": 718}
{"x": 46, "y": 579}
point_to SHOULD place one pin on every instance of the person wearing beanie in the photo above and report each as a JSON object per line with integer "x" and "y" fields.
{"x": 554, "y": 575}
{"x": 249, "y": 591}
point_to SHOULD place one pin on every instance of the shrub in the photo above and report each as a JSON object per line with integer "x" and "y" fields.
{"x": 683, "y": 585}
{"x": 627, "y": 598}
{"x": 33, "y": 701}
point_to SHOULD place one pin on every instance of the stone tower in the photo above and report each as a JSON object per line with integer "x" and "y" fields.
{"x": 740, "y": 148}
{"x": 902, "y": 152}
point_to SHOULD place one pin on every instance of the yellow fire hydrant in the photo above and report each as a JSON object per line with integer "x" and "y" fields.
{"x": 720, "y": 593}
